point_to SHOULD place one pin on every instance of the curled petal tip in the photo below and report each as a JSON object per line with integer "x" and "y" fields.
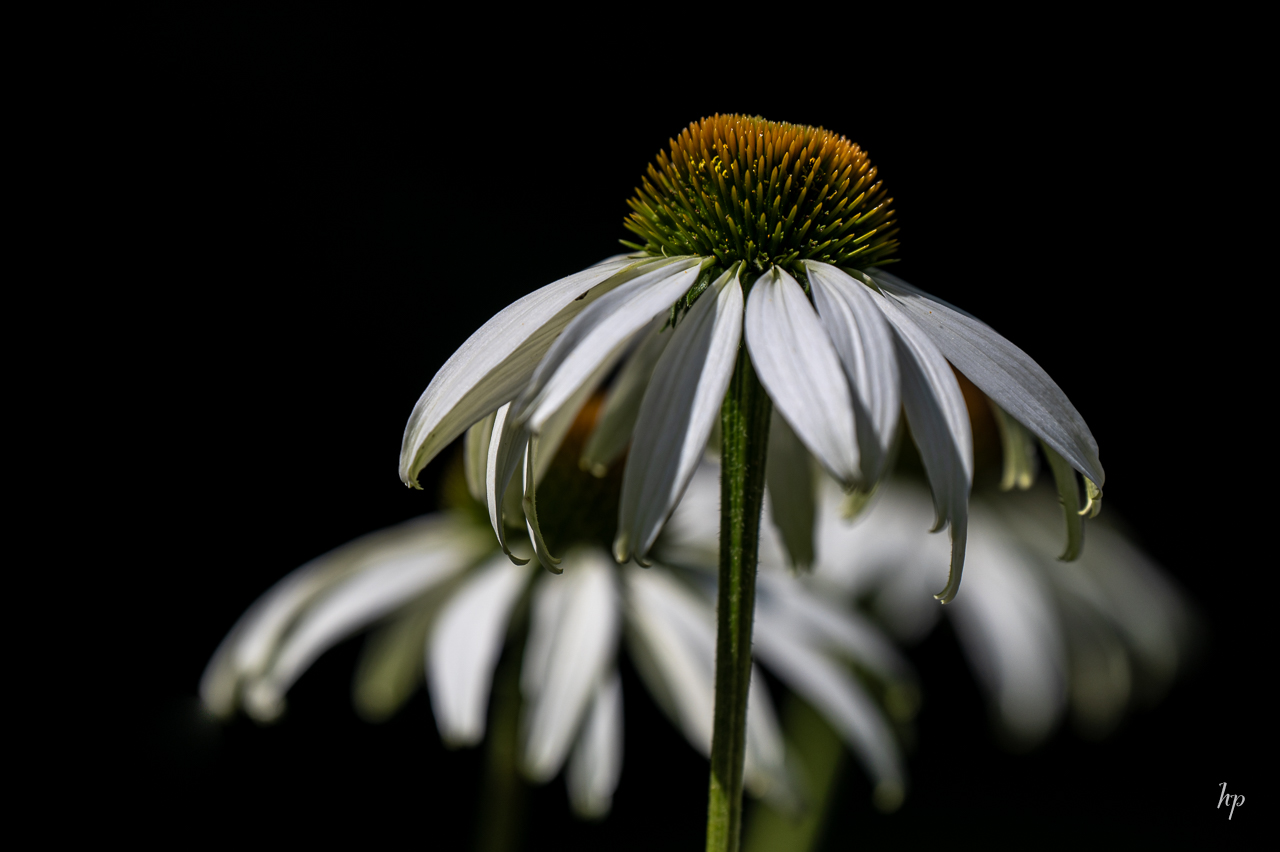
{"x": 1093, "y": 503}
{"x": 621, "y": 549}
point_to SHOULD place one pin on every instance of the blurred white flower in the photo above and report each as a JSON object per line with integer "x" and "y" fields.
{"x": 444, "y": 595}
{"x": 1096, "y": 636}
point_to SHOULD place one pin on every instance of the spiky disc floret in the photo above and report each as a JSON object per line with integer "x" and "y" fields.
{"x": 745, "y": 189}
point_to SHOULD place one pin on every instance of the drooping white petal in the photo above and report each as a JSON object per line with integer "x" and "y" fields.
{"x": 475, "y": 454}
{"x": 618, "y": 415}
{"x": 465, "y": 644}
{"x": 250, "y": 645}
{"x": 672, "y": 639}
{"x": 865, "y": 345}
{"x": 1002, "y": 371}
{"x": 596, "y": 762}
{"x": 839, "y": 698}
{"x": 579, "y": 652}
{"x": 940, "y": 425}
{"x": 792, "y": 493}
{"x": 798, "y": 366}
{"x": 507, "y": 445}
{"x": 682, "y": 401}
{"x": 599, "y": 335}
{"x": 1018, "y": 448}
{"x": 557, "y": 426}
{"x": 529, "y": 505}
{"x": 387, "y": 579}
{"x": 1064, "y": 477}
{"x": 496, "y": 362}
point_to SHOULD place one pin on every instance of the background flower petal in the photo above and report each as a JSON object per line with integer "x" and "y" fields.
{"x": 464, "y": 646}
{"x": 596, "y": 763}
{"x": 791, "y": 492}
{"x": 389, "y": 577}
{"x": 579, "y": 649}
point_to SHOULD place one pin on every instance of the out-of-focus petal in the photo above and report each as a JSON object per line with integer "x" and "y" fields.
{"x": 465, "y": 644}
{"x": 254, "y": 640}
{"x": 579, "y": 651}
{"x": 835, "y": 694}
{"x": 792, "y": 493}
{"x": 671, "y": 635}
{"x": 596, "y": 762}
{"x": 1009, "y": 630}
{"x": 388, "y": 578}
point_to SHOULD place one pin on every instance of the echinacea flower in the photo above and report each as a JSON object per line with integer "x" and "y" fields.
{"x": 444, "y": 595}
{"x": 756, "y": 232}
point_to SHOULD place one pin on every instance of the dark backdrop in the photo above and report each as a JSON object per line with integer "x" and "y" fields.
{"x": 317, "y": 209}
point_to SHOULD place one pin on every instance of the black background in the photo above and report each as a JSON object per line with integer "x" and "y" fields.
{"x": 315, "y": 209}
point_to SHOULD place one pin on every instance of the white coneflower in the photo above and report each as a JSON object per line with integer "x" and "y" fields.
{"x": 796, "y": 217}
{"x": 445, "y": 595}
{"x": 770, "y": 235}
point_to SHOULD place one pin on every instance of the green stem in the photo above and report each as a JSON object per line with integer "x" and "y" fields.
{"x": 744, "y": 426}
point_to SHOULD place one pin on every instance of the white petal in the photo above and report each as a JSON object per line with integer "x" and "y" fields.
{"x": 507, "y": 445}
{"x": 596, "y": 762}
{"x": 580, "y": 652}
{"x": 865, "y": 346}
{"x": 388, "y": 578}
{"x": 600, "y": 333}
{"x": 1002, "y": 371}
{"x": 529, "y": 504}
{"x": 838, "y": 696}
{"x": 792, "y": 497}
{"x": 940, "y": 425}
{"x": 618, "y": 415}
{"x": 497, "y": 361}
{"x": 540, "y": 451}
{"x": 251, "y": 643}
{"x": 799, "y": 368}
{"x": 681, "y": 403}
{"x": 1009, "y": 629}
{"x": 464, "y": 648}
{"x": 825, "y": 625}
{"x": 475, "y": 454}
{"x": 672, "y": 640}
{"x": 691, "y": 537}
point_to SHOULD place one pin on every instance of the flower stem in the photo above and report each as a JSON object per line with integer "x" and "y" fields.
{"x": 744, "y": 426}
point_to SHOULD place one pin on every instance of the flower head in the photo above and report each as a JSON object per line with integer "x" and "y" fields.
{"x": 758, "y": 233}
